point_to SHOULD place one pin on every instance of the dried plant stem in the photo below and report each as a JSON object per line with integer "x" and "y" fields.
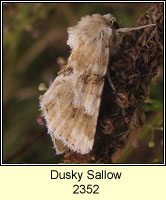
{"x": 131, "y": 72}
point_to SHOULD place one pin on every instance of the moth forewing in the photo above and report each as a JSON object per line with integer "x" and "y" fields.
{"x": 58, "y": 145}
{"x": 71, "y": 104}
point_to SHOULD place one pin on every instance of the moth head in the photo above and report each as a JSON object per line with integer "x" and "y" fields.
{"x": 89, "y": 28}
{"x": 111, "y": 20}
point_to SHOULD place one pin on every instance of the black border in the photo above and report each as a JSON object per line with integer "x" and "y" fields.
{"x": 94, "y": 165}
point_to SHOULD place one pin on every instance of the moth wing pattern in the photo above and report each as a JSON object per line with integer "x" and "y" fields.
{"x": 71, "y": 104}
{"x": 58, "y": 145}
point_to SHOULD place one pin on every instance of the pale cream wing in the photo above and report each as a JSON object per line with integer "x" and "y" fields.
{"x": 71, "y": 104}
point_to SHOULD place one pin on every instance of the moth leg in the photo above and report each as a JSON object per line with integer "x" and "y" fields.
{"x": 110, "y": 81}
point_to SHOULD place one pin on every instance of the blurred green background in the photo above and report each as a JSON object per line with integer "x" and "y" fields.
{"x": 34, "y": 37}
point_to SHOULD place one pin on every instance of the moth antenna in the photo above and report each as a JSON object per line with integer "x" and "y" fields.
{"x": 124, "y": 30}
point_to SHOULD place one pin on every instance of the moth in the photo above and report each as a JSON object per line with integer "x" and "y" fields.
{"x": 71, "y": 104}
